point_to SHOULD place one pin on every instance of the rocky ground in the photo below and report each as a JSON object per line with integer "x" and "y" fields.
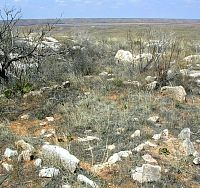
{"x": 104, "y": 129}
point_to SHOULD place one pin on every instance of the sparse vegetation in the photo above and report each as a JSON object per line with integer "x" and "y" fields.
{"x": 104, "y": 108}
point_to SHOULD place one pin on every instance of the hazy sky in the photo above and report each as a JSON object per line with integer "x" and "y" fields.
{"x": 106, "y": 8}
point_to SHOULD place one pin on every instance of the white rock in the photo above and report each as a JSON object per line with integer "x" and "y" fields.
{"x": 196, "y": 154}
{"x": 7, "y": 167}
{"x": 48, "y": 172}
{"x": 136, "y": 134}
{"x": 145, "y": 56}
{"x": 139, "y": 147}
{"x": 156, "y": 136}
{"x": 103, "y": 74}
{"x": 165, "y": 134}
{"x": 188, "y": 147}
{"x": 178, "y": 92}
{"x": 147, "y": 173}
{"x": 9, "y": 152}
{"x": 153, "y": 119}
{"x": 25, "y": 117}
{"x": 43, "y": 123}
{"x": 50, "y": 119}
{"x": 184, "y": 134}
{"x": 124, "y": 56}
{"x": 69, "y": 161}
{"x": 87, "y": 181}
{"x": 196, "y": 161}
{"x": 132, "y": 83}
{"x": 118, "y": 156}
{"x": 150, "y": 79}
{"x": 152, "y": 85}
{"x": 38, "y": 162}
{"x": 194, "y": 74}
{"x": 88, "y": 138}
{"x": 192, "y": 58}
{"x": 148, "y": 158}
{"x": 51, "y": 39}
{"x": 148, "y": 143}
{"x": 66, "y": 84}
{"x": 111, "y": 147}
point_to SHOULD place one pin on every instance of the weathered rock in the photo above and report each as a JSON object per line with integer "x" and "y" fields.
{"x": 124, "y": 56}
{"x": 25, "y": 117}
{"x": 184, "y": 134}
{"x": 188, "y": 147}
{"x": 147, "y": 173}
{"x": 148, "y": 158}
{"x": 38, "y": 162}
{"x": 24, "y": 145}
{"x": 152, "y": 86}
{"x": 88, "y": 138}
{"x": 192, "y": 58}
{"x": 66, "y": 186}
{"x": 165, "y": 134}
{"x": 7, "y": 167}
{"x": 48, "y": 172}
{"x": 66, "y": 84}
{"x": 196, "y": 161}
{"x": 154, "y": 119}
{"x": 118, "y": 156}
{"x": 132, "y": 83}
{"x": 50, "y": 119}
{"x": 139, "y": 147}
{"x": 57, "y": 153}
{"x": 150, "y": 79}
{"x": 87, "y": 181}
{"x": 178, "y": 92}
{"x": 103, "y": 74}
{"x": 156, "y": 136}
{"x": 10, "y": 153}
{"x": 111, "y": 147}
{"x": 136, "y": 134}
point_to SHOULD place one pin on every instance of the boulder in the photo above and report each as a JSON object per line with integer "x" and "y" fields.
{"x": 124, "y": 56}
{"x": 150, "y": 79}
{"x": 147, "y": 173}
{"x": 118, "y": 156}
{"x": 60, "y": 154}
{"x": 7, "y": 167}
{"x": 10, "y": 153}
{"x": 178, "y": 92}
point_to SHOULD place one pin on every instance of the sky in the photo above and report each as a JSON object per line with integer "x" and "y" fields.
{"x": 187, "y": 9}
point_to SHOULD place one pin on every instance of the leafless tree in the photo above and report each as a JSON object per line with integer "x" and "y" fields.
{"x": 19, "y": 44}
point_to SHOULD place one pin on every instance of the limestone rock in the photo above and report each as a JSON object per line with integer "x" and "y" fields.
{"x": 58, "y": 153}
{"x": 188, "y": 147}
{"x": 147, "y": 173}
{"x": 150, "y": 79}
{"x": 9, "y": 153}
{"x": 48, "y": 172}
{"x": 87, "y": 181}
{"x": 148, "y": 158}
{"x": 118, "y": 156}
{"x": 154, "y": 119}
{"x": 178, "y": 92}
{"x": 185, "y": 134}
{"x": 38, "y": 162}
{"x": 124, "y": 56}
{"x": 196, "y": 161}
{"x": 136, "y": 134}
